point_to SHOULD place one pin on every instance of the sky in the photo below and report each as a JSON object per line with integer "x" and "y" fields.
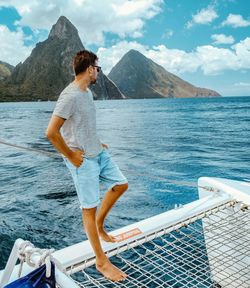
{"x": 205, "y": 42}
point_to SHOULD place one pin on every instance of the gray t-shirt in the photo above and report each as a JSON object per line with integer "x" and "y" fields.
{"x": 79, "y": 129}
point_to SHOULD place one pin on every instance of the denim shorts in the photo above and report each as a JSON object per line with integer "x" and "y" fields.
{"x": 93, "y": 171}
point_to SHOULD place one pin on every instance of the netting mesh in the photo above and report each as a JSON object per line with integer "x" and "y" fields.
{"x": 209, "y": 251}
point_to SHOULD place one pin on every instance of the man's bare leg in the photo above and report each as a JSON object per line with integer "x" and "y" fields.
{"x": 103, "y": 265}
{"x": 107, "y": 203}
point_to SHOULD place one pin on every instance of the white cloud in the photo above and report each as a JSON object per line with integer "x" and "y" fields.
{"x": 167, "y": 34}
{"x": 92, "y": 18}
{"x": 242, "y": 51}
{"x": 242, "y": 84}
{"x": 215, "y": 60}
{"x": 222, "y": 39}
{"x": 235, "y": 21}
{"x": 209, "y": 59}
{"x": 137, "y": 8}
{"x": 174, "y": 60}
{"x": 204, "y": 16}
{"x": 12, "y": 48}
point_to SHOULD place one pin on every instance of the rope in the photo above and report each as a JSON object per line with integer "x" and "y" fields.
{"x": 55, "y": 155}
{"x": 47, "y": 153}
{"x": 163, "y": 179}
{"x": 27, "y": 250}
{"x": 22, "y": 255}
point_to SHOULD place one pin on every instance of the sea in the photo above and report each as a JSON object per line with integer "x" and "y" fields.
{"x": 162, "y": 146}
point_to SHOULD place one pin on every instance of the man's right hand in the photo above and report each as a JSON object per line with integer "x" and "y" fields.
{"x": 76, "y": 158}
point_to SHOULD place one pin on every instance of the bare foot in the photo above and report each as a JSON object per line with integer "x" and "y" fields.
{"x": 105, "y": 236}
{"x": 108, "y": 270}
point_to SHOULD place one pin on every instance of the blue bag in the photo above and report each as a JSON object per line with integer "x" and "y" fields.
{"x": 36, "y": 279}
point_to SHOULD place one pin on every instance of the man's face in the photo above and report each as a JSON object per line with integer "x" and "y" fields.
{"x": 94, "y": 75}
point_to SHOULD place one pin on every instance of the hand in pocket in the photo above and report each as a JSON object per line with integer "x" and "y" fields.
{"x": 77, "y": 158}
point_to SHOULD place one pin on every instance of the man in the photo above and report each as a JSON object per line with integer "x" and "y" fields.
{"x": 72, "y": 131}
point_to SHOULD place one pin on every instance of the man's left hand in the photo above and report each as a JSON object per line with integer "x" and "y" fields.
{"x": 105, "y": 146}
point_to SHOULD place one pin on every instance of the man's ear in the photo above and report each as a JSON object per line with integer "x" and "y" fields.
{"x": 90, "y": 69}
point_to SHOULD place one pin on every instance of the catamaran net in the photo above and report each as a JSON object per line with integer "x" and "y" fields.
{"x": 209, "y": 250}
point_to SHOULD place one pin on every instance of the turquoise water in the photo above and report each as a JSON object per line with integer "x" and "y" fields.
{"x": 153, "y": 141}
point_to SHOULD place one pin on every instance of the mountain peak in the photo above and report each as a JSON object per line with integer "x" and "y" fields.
{"x": 136, "y": 58}
{"x": 48, "y": 69}
{"x": 139, "y": 77}
{"x": 134, "y": 53}
{"x": 63, "y": 28}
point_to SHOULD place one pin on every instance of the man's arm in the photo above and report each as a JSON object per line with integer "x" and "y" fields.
{"x": 55, "y": 137}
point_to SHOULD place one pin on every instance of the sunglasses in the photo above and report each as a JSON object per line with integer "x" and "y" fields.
{"x": 98, "y": 68}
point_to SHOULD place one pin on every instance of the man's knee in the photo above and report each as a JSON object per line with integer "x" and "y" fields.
{"x": 120, "y": 188}
{"x": 89, "y": 211}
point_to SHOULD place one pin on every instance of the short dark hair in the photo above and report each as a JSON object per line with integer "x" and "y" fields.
{"x": 83, "y": 60}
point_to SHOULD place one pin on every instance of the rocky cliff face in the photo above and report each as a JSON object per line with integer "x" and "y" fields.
{"x": 45, "y": 73}
{"x": 139, "y": 77}
{"x": 5, "y": 70}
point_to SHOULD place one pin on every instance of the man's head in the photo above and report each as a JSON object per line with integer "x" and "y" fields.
{"x": 86, "y": 63}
